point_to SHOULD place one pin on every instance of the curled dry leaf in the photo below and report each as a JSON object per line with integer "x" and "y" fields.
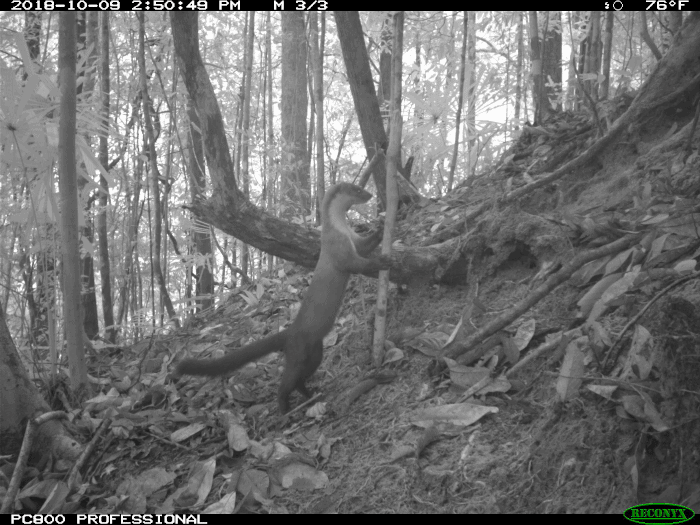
{"x": 226, "y": 505}
{"x": 524, "y": 335}
{"x": 331, "y": 339}
{"x": 237, "y": 437}
{"x": 465, "y": 376}
{"x": 686, "y": 266}
{"x": 429, "y": 343}
{"x": 324, "y": 445}
{"x": 615, "y": 290}
{"x": 301, "y": 476}
{"x": 637, "y": 364}
{"x": 634, "y": 406}
{"x": 260, "y": 451}
{"x": 317, "y": 410}
{"x": 605, "y": 391}
{"x": 201, "y": 478}
{"x": 590, "y": 270}
{"x": 392, "y": 355}
{"x": 586, "y": 302}
{"x": 619, "y": 261}
{"x": 571, "y": 373}
{"x": 256, "y": 482}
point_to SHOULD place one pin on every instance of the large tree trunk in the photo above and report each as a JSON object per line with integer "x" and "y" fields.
{"x": 228, "y": 209}
{"x": 20, "y": 400}
{"x": 68, "y": 190}
{"x": 295, "y": 174}
{"x": 352, "y": 44}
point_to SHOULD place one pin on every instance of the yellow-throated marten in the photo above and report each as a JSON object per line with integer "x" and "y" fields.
{"x": 343, "y": 252}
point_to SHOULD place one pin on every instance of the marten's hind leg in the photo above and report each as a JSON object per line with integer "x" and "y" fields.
{"x": 302, "y": 359}
{"x": 313, "y": 361}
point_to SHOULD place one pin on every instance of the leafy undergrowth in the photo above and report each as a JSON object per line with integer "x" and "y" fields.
{"x": 588, "y": 402}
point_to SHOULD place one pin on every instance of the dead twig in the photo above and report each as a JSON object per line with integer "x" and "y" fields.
{"x": 284, "y": 418}
{"x": 87, "y": 452}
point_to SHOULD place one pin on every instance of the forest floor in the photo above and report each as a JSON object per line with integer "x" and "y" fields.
{"x": 557, "y": 436}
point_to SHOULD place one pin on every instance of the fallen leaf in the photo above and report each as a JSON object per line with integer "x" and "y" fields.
{"x": 225, "y": 505}
{"x": 524, "y": 335}
{"x": 187, "y": 432}
{"x": 571, "y": 373}
{"x": 301, "y": 476}
{"x": 462, "y": 414}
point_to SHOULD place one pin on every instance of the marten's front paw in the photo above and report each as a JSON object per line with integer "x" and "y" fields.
{"x": 383, "y": 262}
{"x": 378, "y": 234}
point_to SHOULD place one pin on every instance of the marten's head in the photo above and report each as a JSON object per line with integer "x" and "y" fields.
{"x": 343, "y": 196}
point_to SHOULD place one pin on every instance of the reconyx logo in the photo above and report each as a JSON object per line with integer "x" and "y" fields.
{"x": 659, "y": 513}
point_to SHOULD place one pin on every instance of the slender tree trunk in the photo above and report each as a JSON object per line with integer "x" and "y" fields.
{"x": 519, "y": 70}
{"x": 416, "y": 149}
{"x": 593, "y": 61}
{"x": 384, "y": 93}
{"x": 157, "y": 214}
{"x": 648, "y": 40}
{"x": 341, "y": 144}
{"x": 460, "y": 101}
{"x": 579, "y": 17}
{"x": 572, "y": 82}
{"x": 317, "y": 45}
{"x": 392, "y": 165}
{"x": 270, "y": 132}
{"x": 310, "y": 141}
{"x": 105, "y": 271}
{"x": 471, "y": 94}
{"x": 165, "y": 196}
{"x": 607, "y": 54}
{"x": 536, "y": 67}
{"x": 68, "y": 190}
{"x": 204, "y": 287}
{"x": 245, "y": 139}
{"x": 128, "y": 289}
